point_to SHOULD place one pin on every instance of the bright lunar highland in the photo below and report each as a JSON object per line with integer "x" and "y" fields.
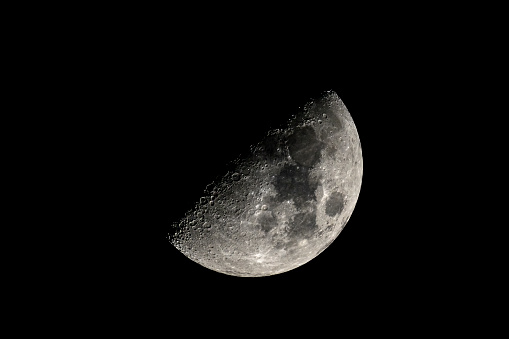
{"x": 284, "y": 202}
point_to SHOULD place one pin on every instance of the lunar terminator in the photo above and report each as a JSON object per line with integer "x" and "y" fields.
{"x": 284, "y": 203}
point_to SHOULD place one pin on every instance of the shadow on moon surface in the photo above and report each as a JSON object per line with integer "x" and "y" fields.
{"x": 284, "y": 202}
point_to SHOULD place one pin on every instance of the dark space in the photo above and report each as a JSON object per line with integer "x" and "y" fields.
{"x": 178, "y": 116}
{"x": 185, "y": 142}
{"x": 182, "y": 127}
{"x": 160, "y": 99}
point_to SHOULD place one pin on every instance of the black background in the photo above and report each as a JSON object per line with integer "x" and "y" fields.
{"x": 186, "y": 122}
{"x": 136, "y": 110}
{"x": 166, "y": 116}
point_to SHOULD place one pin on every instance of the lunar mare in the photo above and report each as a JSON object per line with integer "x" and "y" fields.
{"x": 283, "y": 203}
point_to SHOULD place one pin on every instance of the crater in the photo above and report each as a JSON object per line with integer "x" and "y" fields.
{"x": 292, "y": 183}
{"x": 270, "y": 147}
{"x": 266, "y": 220}
{"x": 302, "y": 228}
{"x": 335, "y": 204}
{"x": 304, "y": 147}
{"x": 303, "y": 224}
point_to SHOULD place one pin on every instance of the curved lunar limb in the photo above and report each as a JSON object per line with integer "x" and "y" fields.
{"x": 283, "y": 203}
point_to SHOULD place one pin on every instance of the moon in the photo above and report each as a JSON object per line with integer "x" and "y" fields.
{"x": 284, "y": 202}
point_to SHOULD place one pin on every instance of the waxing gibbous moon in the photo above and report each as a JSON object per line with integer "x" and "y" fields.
{"x": 284, "y": 202}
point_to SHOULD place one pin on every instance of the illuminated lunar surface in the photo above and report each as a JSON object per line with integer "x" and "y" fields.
{"x": 284, "y": 202}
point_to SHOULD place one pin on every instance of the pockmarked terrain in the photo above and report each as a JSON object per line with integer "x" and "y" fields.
{"x": 284, "y": 202}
